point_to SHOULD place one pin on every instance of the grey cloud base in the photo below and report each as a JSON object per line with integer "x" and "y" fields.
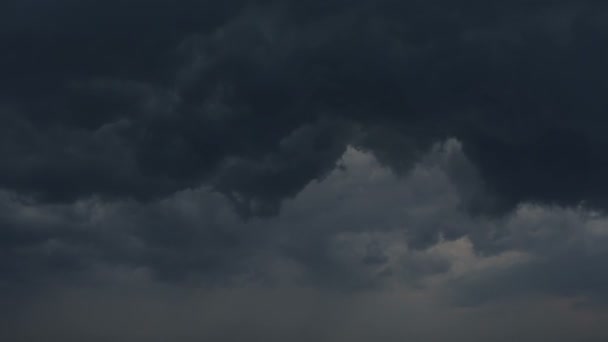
{"x": 286, "y": 170}
{"x": 332, "y": 265}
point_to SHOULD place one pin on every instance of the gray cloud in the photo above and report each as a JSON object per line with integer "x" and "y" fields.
{"x": 309, "y": 165}
{"x": 330, "y": 235}
{"x": 337, "y": 255}
{"x": 232, "y": 82}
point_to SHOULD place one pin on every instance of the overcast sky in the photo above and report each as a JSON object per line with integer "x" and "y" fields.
{"x": 319, "y": 170}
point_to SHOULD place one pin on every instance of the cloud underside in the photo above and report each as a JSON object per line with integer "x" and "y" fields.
{"x": 319, "y": 170}
{"x": 363, "y": 253}
{"x": 256, "y": 101}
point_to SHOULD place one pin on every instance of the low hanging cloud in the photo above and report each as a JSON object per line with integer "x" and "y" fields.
{"x": 287, "y": 170}
{"x": 330, "y": 261}
{"x": 330, "y": 235}
{"x": 98, "y": 103}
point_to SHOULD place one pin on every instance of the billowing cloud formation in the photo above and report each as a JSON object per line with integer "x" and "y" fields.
{"x": 331, "y": 260}
{"x": 330, "y": 235}
{"x": 326, "y": 155}
{"x": 136, "y": 101}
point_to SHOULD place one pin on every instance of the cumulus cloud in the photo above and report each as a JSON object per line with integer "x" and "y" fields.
{"x": 335, "y": 156}
{"x": 98, "y": 103}
{"x": 360, "y": 227}
{"x": 364, "y": 244}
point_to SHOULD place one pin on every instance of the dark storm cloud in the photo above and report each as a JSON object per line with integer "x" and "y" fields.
{"x": 332, "y": 265}
{"x": 360, "y": 139}
{"x": 194, "y": 236}
{"x": 328, "y": 235}
{"x": 142, "y": 100}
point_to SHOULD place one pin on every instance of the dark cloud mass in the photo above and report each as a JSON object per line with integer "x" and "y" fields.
{"x": 366, "y": 161}
{"x": 142, "y": 100}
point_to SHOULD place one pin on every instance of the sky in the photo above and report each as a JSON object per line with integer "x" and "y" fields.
{"x": 320, "y": 170}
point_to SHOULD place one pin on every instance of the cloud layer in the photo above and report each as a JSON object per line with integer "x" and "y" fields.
{"x": 289, "y": 169}
{"x": 143, "y": 101}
